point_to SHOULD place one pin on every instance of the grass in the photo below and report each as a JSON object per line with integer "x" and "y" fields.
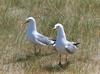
{"x": 81, "y": 23}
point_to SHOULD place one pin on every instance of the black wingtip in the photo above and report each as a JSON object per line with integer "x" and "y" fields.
{"x": 54, "y": 39}
{"x": 77, "y": 43}
{"x": 53, "y": 44}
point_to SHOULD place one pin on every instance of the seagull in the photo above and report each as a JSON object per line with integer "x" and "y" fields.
{"x": 62, "y": 45}
{"x": 34, "y": 36}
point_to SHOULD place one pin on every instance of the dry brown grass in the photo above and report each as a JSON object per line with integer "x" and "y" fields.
{"x": 81, "y": 22}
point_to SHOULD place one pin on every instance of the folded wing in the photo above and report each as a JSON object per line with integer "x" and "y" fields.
{"x": 44, "y": 40}
{"x": 71, "y": 48}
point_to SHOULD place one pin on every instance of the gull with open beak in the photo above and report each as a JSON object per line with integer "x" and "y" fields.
{"x": 34, "y": 36}
{"x": 63, "y": 46}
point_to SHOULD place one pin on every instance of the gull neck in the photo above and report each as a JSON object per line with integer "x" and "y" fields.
{"x": 61, "y": 33}
{"x": 32, "y": 26}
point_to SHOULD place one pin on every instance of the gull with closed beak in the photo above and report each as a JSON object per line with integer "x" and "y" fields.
{"x": 34, "y": 36}
{"x": 63, "y": 46}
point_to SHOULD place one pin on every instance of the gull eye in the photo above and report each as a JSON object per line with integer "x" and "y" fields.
{"x": 57, "y": 26}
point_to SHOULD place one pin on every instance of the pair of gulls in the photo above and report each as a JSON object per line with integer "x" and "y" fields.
{"x": 62, "y": 45}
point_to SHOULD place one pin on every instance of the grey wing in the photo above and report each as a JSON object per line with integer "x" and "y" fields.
{"x": 71, "y": 49}
{"x": 45, "y": 40}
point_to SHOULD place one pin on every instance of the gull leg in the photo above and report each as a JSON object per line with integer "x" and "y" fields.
{"x": 66, "y": 58}
{"x": 35, "y": 50}
{"x": 67, "y": 62}
{"x": 39, "y": 51}
{"x": 60, "y": 59}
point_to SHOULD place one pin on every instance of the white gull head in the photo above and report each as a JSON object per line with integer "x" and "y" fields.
{"x": 58, "y": 26}
{"x": 29, "y": 19}
{"x": 60, "y": 31}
